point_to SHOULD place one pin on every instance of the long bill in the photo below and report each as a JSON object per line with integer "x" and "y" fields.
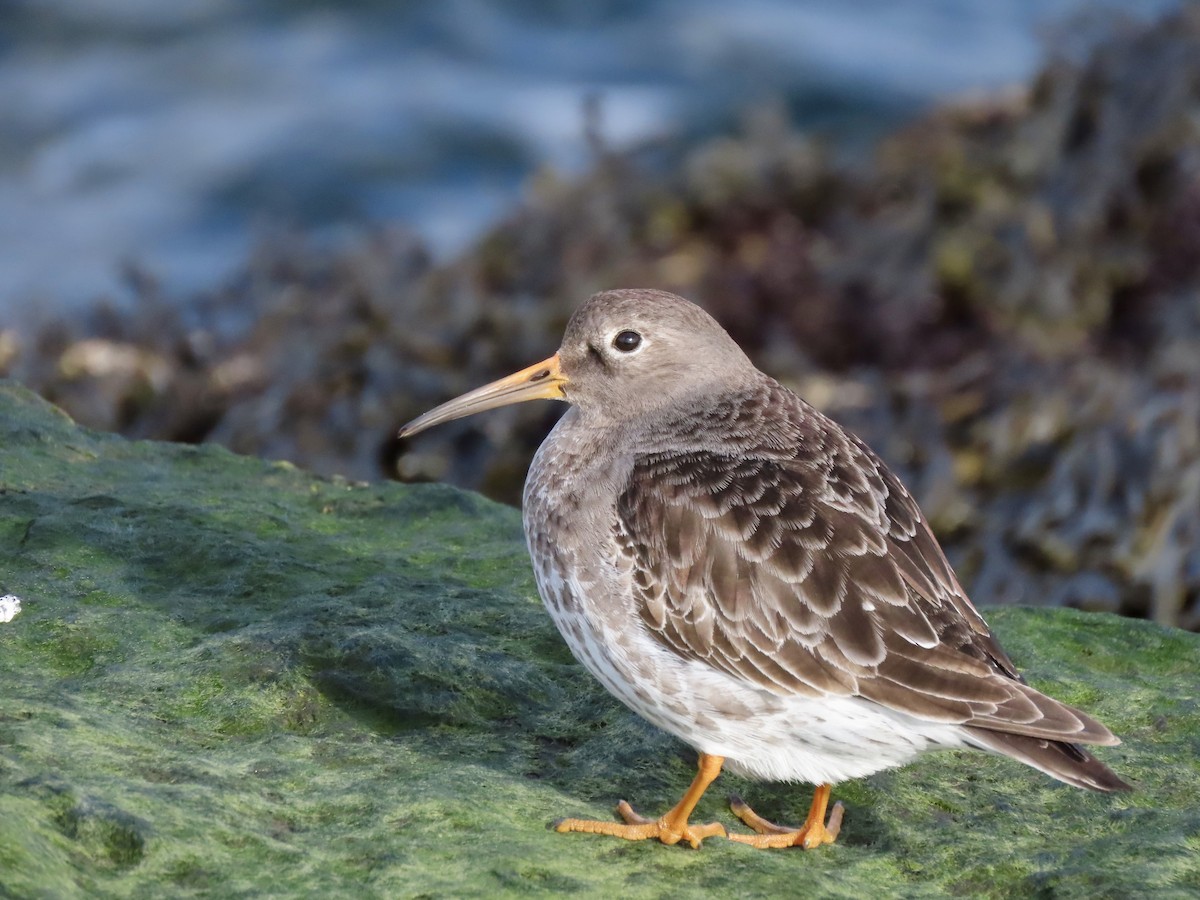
{"x": 542, "y": 381}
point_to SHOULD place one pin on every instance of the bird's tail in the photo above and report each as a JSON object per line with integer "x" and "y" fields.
{"x": 1058, "y": 759}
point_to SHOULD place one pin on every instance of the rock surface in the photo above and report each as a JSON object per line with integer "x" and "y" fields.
{"x": 231, "y": 678}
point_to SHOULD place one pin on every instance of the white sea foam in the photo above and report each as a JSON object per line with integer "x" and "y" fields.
{"x": 10, "y": 605}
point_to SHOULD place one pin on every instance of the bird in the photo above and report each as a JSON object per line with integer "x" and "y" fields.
{"x": 748, "y": 576}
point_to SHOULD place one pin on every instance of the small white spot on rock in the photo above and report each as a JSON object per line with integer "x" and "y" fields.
{"x": 10, "y": 605}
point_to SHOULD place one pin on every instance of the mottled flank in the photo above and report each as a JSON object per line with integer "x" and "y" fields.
{"x": 230, "y": 678}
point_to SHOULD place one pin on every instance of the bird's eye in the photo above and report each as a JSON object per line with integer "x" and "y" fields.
{"x": 627, "y": 341}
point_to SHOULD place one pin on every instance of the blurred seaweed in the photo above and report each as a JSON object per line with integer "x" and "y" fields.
{"x": 1004, "y": 301}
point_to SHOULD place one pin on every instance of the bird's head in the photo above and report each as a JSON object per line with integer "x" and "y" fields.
{"x": 624, "y": 354}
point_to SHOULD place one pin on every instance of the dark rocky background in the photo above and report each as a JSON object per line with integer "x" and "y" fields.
{"x": 1004, "y": 300}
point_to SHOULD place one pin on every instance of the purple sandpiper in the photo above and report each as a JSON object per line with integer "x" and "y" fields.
{"x": 743, "y": 573}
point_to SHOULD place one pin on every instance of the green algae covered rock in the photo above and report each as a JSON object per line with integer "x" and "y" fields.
{"x": 230, "y": 678}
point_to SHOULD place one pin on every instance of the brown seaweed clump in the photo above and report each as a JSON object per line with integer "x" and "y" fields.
{"x": 1005, "y": 302}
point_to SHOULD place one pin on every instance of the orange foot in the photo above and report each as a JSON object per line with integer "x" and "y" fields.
{"x": 813, "y": 833}
{"x": 671, "y": 828}
{"x": 638, "y": 828}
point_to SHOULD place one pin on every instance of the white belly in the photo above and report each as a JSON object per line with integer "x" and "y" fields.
{"x": 764, "y": 735}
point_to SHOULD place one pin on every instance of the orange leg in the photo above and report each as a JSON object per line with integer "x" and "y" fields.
{"x": 672, "y": 827}
{"x": 813, "y": 833}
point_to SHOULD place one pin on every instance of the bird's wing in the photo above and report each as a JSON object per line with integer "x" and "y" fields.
{"x": 820, "y": 577}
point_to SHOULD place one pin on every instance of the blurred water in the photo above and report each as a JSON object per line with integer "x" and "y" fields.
{"x": 171, "y": 134}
